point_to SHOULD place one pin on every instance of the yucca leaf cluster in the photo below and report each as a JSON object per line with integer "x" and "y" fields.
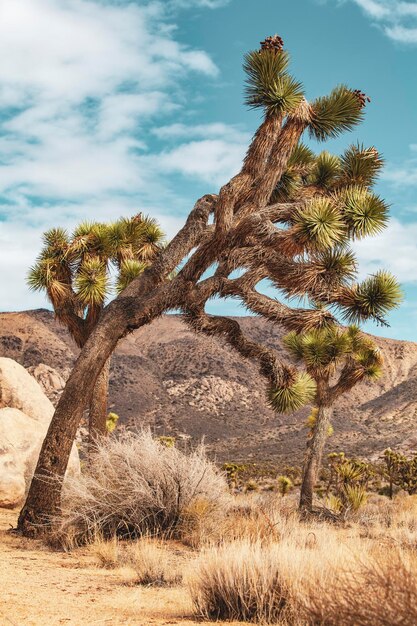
{"x": 336, "y": 351}
{"x": 334, "y": 205}
{"x": 78, "y": 272}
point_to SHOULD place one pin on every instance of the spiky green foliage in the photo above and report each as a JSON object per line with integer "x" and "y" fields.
{"x": 285, "y": 484}
{"x": 91, "y": 282}
{"x": 268, "y": 86}
{"x": 366, "y": 213}
{"x": 80, "y": 272}
{"x": 324, "y": 350}
{"x": 291, "y": 398}
{"x": 336, "y": 266}
{"x": 302, "y": 157}
{"x": 373, "y": 298}
{"x": 319, "y": 225}
{"x": 129, "y": 269}
{"x": 360, "y": 166}
{"x": 325, "y": 171}
{"x": 334, "y": 114}
{"x": 288, "y": 187}
{"x": 320, "y": 349}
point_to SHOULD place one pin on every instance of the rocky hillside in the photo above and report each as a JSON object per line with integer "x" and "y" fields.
{"x": 186, "y": 384}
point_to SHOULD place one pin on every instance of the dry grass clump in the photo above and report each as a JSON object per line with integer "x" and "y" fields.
{"x": 390, "y": 522}
{"x": 253, "y": 517}
{"x": 382, "y": 593}
{"x": 241, "y": 581}
{"x": 147, "y": 561}
{"x": 310, "y": 573}
{"x": 136, "y": 486}
{"x": 266, "y": 580}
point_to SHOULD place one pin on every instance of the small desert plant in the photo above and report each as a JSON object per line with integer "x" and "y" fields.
{"x": 151, "y": 564}
{"x": 348, "y": 480}
{"x": 168, "y": 442}
{"x": 400, "y": 471}
{"x": 285, "y": 484}
{"x": 111, "y": 421}
{"x": 144, "y": 562}
{"x": 233, "y": 471}
{"x": 251, "y": 485}
{"x": 135, "y": 486}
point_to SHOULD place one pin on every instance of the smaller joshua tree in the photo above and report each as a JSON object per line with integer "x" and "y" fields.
{"x": 78, "y": 273}
{"x": 337, "y": 359}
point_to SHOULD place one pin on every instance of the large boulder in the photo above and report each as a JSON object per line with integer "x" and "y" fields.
{"x": 19, "y": 390}
{"x": 51, "y": 381}
{"x": 25, "y": 414}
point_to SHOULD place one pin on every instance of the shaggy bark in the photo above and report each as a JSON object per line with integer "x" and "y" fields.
{"x": 98, "y": 406}
{"x": 313, "y": 457}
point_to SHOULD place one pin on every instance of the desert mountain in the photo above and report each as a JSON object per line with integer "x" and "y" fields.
{"x": 182, "y": 383}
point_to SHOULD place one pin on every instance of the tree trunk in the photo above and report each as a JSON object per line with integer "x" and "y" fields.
{"x": 98, "y": 406}
{"x": 145, "y": 299}
{"x": 44, "y": 497}
{"x": 313, "y": 457}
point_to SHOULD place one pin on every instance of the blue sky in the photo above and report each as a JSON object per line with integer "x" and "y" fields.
{"x": 107, "y": 107}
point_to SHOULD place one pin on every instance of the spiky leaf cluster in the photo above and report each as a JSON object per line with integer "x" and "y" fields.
{"x": 79, "y": 272}
{"x": 373, "y": 298}
{"x": 325, "y": 351}
{"x": 290, "y": 398}
{"x": 336, "y": 113}
{"x": 268, "y": 85}
{"x": 319, "y": 225}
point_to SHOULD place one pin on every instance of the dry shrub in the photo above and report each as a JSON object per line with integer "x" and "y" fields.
{"x": 146, "y": 561}
{"x": 136, "y": 486}
{"x": 390, "y": 522}
{"x": 382, "y": 593}
{"x": 253, "y": 517}
{"x": 241, "y": 581}
{"x": 153, "y": 565}
{"x": 107, "y": 553}
{"x": 266, "y": 580}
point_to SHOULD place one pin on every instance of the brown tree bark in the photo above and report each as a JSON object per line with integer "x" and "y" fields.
{"x": 98, "y": 406}
{"x": 313, "y": 457}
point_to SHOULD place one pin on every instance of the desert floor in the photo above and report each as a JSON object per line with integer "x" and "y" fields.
{"x": 39, "y": 587}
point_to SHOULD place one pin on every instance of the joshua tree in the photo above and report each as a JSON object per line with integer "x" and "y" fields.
{"x": 337, "y": 359}
{"x": 287, "y": 216}
{"x": 76, "y": 275}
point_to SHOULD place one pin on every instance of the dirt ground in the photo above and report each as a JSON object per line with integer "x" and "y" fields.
{"x": 39, "y": 587}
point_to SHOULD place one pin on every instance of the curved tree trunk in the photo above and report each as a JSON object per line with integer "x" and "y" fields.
{"x": 44, "y": 497}
{"x": 98, "y": 406}
{"x": 43, "y": 500}
{"x": 146, "y": 298}
{"x": 313, "y": 457}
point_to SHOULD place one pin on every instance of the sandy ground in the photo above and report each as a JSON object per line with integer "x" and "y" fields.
{"x": 39, "y": 587}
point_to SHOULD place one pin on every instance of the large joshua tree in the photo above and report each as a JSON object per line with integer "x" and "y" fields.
{"x": 337, "y": 359}
{"x": 287, "y": 216}
{"x": 79, "y": 273}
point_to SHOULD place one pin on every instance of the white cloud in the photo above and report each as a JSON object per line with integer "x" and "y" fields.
{"x": 404, "y": 174}
{"x": 373, "y": 8}
{"x": 216, "y": 130}
{"x": 212, "y": 160}
{"x": 209, "y": 4}
{"x": 211, "y": 152}
{"x": 80, "y": 83}
{"x": 397, "y": 19}
{"x": 395, "y": 250}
